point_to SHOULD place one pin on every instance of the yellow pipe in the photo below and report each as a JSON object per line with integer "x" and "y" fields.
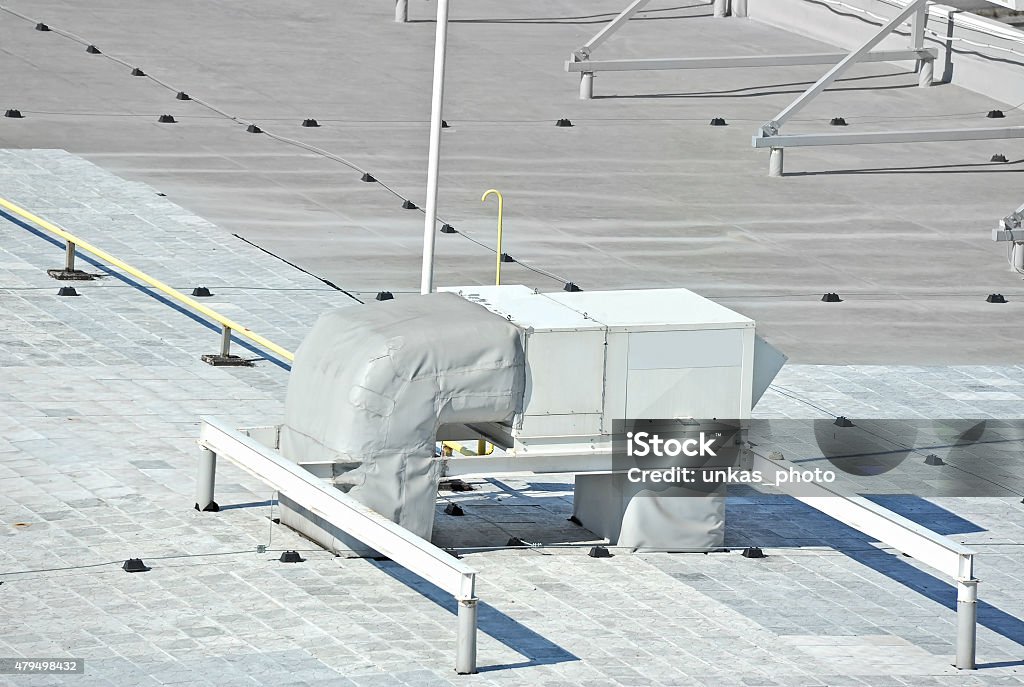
{"x": 155, "y": 283}
{"x": 501, "y": 206}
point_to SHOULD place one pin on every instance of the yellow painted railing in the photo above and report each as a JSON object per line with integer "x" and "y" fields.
{"x": 226, "y": 323}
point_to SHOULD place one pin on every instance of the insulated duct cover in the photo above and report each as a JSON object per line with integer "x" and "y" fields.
{"x": 371, "y": 384}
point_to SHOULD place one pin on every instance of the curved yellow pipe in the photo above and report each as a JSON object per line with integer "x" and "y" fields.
{"x": 501, "y": 207}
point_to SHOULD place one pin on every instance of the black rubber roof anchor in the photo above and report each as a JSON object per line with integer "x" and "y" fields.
{"x": 448, "y": 229}
{"x": 368, "y": 178}
{"x": 505, "y": 257}
{"x": 385, "y": 296}
{"x": 310, "y": 123}
{"x": 182, "y": 95}
{"x": 201, "y": 292}
{"x": 996, "y": 298}
{"x": 67, "y": 291}
{"x": 753, "y": 552}
{"x": 167, "y": 119}
{"x": 93, "y": 50}
{"x": 253, "y": 129}
{"x": 995, "y": 114}
{"x": 42, "y": 27}
{"x": 718, "y": 121}
{"x": 444, "y": 124}
{"x": 843, "y": 421}
{"x": 998, "y": 157}
{"x": 409, "y": 205}
{"x": 137, "y": 72}
{"x": 838, "y": 121}
{"x": 599, "y": 552}
{"x": 291, "y": 557}
{"x": 571, "y": 287}
{"x": 14, "y": 114}
{"x": 134, "y": 565}
{"x": 932, "y": 459}
{"x": 515, "y": 541}
{"x": 454, "y": 509}
{"x": 563, "y": 123}
{"x": 831, "y": 298}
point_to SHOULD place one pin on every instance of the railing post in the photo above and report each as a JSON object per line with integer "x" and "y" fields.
{"x": 225, "y": 342}
{"x": 401, "y": 11}
{"x": 205, "y": 479}
{"x": 775, "y": 162}
{"x": 966, "y": 623}
{"x": 721, "y": 8}
{"x": 586, "y": 85}
{"x": 465, "y": 653}
{"x": 69, "y": 257}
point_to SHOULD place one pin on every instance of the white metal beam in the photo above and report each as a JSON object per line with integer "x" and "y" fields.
{"x": 611, "y": 27}
{"x": 773, "y": 126}
{"x": 342, "y": 511}
{"x": 745, "y": 61}
{"x": 872, "y": 137}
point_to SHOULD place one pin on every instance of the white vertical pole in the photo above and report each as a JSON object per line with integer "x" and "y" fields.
{"x": 775, "y": 162}
{"x": 925, "y": 68}
{"x": 967, "y": 623}
{"x": 721, "y": 8}
{"x": 433, "y": 162}
{"x": 465, "y": 650}
{"x": 1017, "y": 256}
{"x": 401, "y": 11}
{"x": 586, "y": 85}
{"x": 205, "y": 479}
{"x": 739, "y": 8}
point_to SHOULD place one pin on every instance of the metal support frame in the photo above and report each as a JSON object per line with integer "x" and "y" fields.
{"x": 206, "y": 481}
{"x": 401, "y": 11}
{"x": 769, "y": 134}
{"x": 342, "y": 511}
{"x": 579, "y": 61}
{"x": 1011, "y": 228}
{"x": 934, "y": 550}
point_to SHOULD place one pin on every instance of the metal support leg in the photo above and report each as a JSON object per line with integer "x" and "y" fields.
{"x": 225, "y": 342}
{"x": 205, "y": 480}
{"x": 1017, "y": 257}
{"x": 465, "y": 656}
{"x": 69, "y": 257}
{"x": 721, "y": 8}
{"x": 586, "y": 85}
{"x": 739, "y": 8}
{"x": 925, "y": 73}
{"x": 775, "y": 162}
{"x": 967, "y": 623}
{"x": 401, "y": 11}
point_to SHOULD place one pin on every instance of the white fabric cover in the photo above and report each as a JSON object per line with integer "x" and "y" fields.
{"x": 371, "y": 384}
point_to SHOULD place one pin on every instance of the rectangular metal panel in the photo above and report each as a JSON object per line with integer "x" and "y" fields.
{"x": 872, "y": 137}
{"x": 565, "y": 372}
{"x": 673, "y": 350}
{"x": 768, "y": 360}
{"x": 701, "y": 392}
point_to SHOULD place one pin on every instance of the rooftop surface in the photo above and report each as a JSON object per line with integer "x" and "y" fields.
{"x": 99, "y": 399}
{"x": 100, "y": 395}
{"x": 640, "y": 192}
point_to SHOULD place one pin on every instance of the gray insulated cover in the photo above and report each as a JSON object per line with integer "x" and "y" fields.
{"x": 371, "y": 384}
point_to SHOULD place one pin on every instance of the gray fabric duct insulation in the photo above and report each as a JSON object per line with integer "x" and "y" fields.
{"x": 371, "y": 384}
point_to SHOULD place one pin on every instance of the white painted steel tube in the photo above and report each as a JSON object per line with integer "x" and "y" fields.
{"x": 205, "y": 478}
{"x": 966, "y": 623}
{"x": 434, "y": 158}
{"x": 465, "y": 652}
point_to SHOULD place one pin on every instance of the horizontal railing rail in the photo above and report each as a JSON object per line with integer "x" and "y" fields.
{"x": 75, "y": 243}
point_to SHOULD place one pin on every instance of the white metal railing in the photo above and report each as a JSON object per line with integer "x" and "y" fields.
{"x": 340, "y": 510}
{"x": 938, "y": 552}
